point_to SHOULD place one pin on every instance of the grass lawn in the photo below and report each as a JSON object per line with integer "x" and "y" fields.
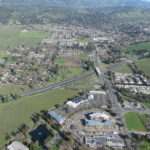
{"x": 83, "y": 40}
{"x": 144, "y": 65}
{"x": 34, "y": 34}
{"x": 147, "y": 104}
{"x": 14, "y": 113}
{"x": 2, "y": 55}
{"x": 61, "y": 61}
{"x": 124, "y": 69}
{"x": 11, "y": 35}
{"x": 143, "y": 145}
{"x": 85, "y": 84}
{"x": 138, "y": 47}
{"x": 134, "y": 122}
{"x": 14, "y": 89}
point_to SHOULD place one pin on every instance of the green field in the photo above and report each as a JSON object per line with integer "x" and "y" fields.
{"x": 134, "y": 122}
{"x": 83, "y": 40}
{"x": 147, "y": 104}
{"x": 34, "y": 34}
{"x": 11, "y": 35}
{"x": 143, "y": 145}
{"x": 14, "y": 89}
{"x": 14, "y": 113}
{"x": 2, "y": 55}
{"x": 124, "y": 69}
{"x": 144, "y": 65}
{"x": 138, "y": 47}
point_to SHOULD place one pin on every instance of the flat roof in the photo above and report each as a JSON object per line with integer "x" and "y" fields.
{"x": 57, "y": 117}
{"x": 17, "y": 146}
{"x": 96, "y": 123}
{"x": 79, "y": 99}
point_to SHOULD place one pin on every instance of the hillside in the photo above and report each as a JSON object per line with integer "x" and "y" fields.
{"x": 80, "y": 3}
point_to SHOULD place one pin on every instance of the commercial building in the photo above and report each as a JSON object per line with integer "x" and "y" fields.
{"x": 17, "y": 146}
{"x": 77, "y": 101}
{"x": 98, "y": 115}
{"x": 93, "y": 123}
{"x": 56, "y": 117}
{"x": 95, "y": 141}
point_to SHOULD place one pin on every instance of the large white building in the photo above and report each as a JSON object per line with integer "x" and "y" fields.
{"x": 17, "y": 146}
{"x": 77, "y": 101}
{"x": 99, "y": 115}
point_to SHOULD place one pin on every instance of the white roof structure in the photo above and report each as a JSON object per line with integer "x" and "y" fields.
{"x": 99, "y": 115}
{"x": 77, "y": 101}
{"x": 17, "y": 146}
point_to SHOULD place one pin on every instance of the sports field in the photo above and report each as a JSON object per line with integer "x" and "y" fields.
{"x": 144, "y": 65}
{"x": 134, "y": 122}
{"x": 14, "y": 113}
{"x": 11, "y": 35}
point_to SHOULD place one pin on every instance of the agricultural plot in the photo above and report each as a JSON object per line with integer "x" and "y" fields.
{"x": 14, "y": 113}
{"x": 134, "y": 122}
{"x": 143, "y": 65}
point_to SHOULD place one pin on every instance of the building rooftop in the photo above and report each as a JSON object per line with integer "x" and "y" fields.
{"x": 17, "y": 146}
{"x": 79, "y": 99}
{"x": 57, "y": 117}
{"x": 96, "y": 123}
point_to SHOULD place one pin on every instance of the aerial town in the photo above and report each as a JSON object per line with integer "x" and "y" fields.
{"x": 74, "y": 76}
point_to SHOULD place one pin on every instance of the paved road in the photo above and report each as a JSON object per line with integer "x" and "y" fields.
{"x": 61, "y": 84}
{"x": 58, "y": 85}
{"x": 145, "y": 111}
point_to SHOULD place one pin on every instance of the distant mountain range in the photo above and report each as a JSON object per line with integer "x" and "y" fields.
{"x": 80, "y": 3}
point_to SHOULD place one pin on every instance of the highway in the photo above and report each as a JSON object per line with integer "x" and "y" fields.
{"x": 58, "y": 85}
{"x": 61, "y": 84}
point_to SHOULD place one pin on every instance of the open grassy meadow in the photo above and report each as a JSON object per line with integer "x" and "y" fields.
{"x": 138, "y": 47}
{"x": 143, "y": 145}
{"x": 84, "y": 40}
{"x": 12, "y": 35}
{"x": 13, "y": 89}
{"x": 2, "y": 55}
{"x": 147, "y": 104}
{"x": 144, "y": 65}
{"x": 124, "y": 69}
{"x": 134, "y": 122}
{"x": 14, "y": 113}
